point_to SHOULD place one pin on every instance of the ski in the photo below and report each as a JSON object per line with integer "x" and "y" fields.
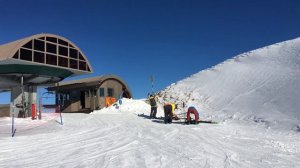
{"x": 208, "y": 122}
{"x": 178, "y": 121}
{"x": 148, "y": 117}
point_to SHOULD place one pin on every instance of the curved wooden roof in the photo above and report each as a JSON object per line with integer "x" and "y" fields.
{"x": 77, "y": 63}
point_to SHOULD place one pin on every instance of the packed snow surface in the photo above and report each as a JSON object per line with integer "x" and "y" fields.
{"x": 120, "y": 138}
{"x": 254, "y": 97}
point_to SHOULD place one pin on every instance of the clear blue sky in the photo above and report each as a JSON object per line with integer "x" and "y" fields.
{"x": 169, "y": 39}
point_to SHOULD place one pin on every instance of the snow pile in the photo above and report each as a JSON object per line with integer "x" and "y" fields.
{"x": 126, "y": 105}
{"x": 261, "y": 86}
{"x": 131, "y": 106}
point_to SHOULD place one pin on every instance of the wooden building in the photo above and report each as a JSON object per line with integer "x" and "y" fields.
{"x": 86, "y": 95}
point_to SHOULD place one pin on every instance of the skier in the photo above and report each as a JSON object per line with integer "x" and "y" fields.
{"x": 193, "y": 110}
{"x": 153, "y": 103}
{"x": 169, "y": 109}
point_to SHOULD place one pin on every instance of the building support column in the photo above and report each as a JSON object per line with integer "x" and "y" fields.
{"x": 22, "y": 99}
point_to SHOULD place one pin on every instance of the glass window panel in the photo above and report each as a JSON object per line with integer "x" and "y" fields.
{"x": 51, "y": 48}
{"x": 73, "y": 53}
{"x": 51, "y": 59}
{"x": 73, "y": 64}
{"x": 101, "y": 92}
{"x": 81, "y": 57}
{"x": 70, "y": 45}
{"x": 28, "y": 45}
{"x": 82, "y": 65}
{"x": 16, "y": 56}
{"x": 63, "y": 62}
{"x": 39, "y": 57}
{"x": 39, "y": 45}
{"x": 42, "y": 38}
{"x": 110, "y": 92}
{"x": 62, "y": 42}
{"x": 25, "y": 54}
{"x": 63, "y": 51}
{"x": 52, "y": 39}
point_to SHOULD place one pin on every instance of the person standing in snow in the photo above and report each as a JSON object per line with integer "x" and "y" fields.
{"x": 153, "y": 103}
{"x": 169, "y": 109}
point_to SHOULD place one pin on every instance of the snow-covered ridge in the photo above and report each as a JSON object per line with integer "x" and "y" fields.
{"x": 262, "y": 85}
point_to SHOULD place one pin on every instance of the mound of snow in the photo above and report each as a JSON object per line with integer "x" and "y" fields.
{"x": 127, "y": 105}
{"x": 130, "y": 106}
{"x": 261, "y": 86}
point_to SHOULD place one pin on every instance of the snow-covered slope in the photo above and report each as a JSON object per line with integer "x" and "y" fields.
{"x": 120, "y": 138}
{"x": 261, "y": 86}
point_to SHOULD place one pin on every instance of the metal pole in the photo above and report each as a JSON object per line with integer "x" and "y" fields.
{"x": 152, "y": 83}
{"x": 13, "y": 130}
{"x": 61, "y": 121}
{"x": 59, "y": 104}
{"x": 40, "y": 108}
{"x": 23, "y": 96}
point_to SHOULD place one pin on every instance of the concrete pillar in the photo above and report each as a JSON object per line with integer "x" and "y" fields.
{"x": 29, "y": 99}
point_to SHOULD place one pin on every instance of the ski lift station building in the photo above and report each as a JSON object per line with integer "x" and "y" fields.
{"x": 86, "y": 95}
{"x": 38, "y": 60}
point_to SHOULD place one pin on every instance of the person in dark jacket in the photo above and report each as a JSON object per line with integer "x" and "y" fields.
{"x": 153, "y": 103}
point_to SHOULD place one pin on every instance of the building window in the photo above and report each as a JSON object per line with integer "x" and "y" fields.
{"x": 51, "y": 59}
{"x": 73, "y": 64}
{"x": 28, "y": 45}
{"x": 81, "y": 57}
{"x": 101, "y": 92}
{"x": 26, "y": 55}
{"x": 82, "y": 65}
{"x": 110, "y": 92}
{"x": 39, "y": 45}
{"x": 51, "y": 48}
{"x": 16, "y": 56}
{"x": 73, "y": 53}
{"x": 39, "y": 57}
{"x": 70, "y": 45}
{"x": 63, "y": 62}
{"x": 63, "y": 51}
{"x": 62, "y": 42}
{"x": 52, "y": 39}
